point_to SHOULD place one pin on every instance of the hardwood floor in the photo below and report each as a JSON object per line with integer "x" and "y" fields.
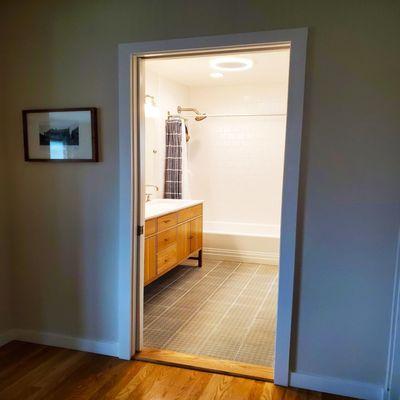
{"x": 30, "y": 371}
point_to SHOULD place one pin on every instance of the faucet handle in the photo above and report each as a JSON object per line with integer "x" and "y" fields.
{"x": 148, "y": 195}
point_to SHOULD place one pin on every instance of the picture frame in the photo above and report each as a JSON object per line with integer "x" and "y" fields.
{"x": 60, "y": 135}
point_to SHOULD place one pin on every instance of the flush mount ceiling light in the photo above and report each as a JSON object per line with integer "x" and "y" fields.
{"x": 216, "y": 75}
{"x": 231, "y": 63}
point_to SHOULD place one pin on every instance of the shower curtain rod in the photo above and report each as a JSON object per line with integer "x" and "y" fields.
{"x": 239, "y": 115}
{"x": 200, "y": 116}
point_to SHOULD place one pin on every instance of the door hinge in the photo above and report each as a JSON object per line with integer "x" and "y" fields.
{"x": 140, "y": 230}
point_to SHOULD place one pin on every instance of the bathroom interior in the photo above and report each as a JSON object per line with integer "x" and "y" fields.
{"x": 214, "y": 141}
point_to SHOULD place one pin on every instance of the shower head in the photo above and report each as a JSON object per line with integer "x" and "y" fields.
{"x": 200, "y": 117}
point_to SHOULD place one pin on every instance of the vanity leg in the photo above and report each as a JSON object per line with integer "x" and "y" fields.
{"x": 201, "y": 258}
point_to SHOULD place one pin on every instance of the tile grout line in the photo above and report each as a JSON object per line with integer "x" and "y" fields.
{"x": 229, "y": 308}
{"x": 167, "y": 286}
{"x": 257, "y": 312}
{"x": 199, "y": 307}
{"x": 185, "y": 292}
{"x": 171, "y": 305}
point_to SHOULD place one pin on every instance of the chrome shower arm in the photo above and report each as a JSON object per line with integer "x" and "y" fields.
{"x": 195, "y": 110}
{"x": 199, "y": 116}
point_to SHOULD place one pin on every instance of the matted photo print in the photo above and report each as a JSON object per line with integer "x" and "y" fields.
{"x": 60, "y": 134}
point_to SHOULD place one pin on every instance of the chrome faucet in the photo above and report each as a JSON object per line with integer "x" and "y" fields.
{"x": 148, "y": 195}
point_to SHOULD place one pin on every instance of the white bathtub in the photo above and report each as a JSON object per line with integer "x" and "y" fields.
{"x": 255, "y": 243}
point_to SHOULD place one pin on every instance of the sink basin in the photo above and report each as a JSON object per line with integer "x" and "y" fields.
{"x": 158, "y": 207}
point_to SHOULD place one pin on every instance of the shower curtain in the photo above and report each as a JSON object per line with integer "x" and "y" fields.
{"x": 176, "y": 185}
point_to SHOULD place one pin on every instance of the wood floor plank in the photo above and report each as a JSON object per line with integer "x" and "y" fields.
{"x": 34, "y": 372}
{"x": 130, "y": 370}
{"x": 52, "y": 380}
{"x": 173, "y": 386}
{"x": 28, "y": 383}
{"x": 14, "y": 373}
{"x": 217, "y": 387}
{"x": 141, "y": 383}
{"x": 112, "y": 381}
{"x": 15, "y": 350}
{"x": 13, "y": 361}
{"x": 84, "y": 381}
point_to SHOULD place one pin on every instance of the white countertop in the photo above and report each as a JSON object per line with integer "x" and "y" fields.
{"x": 158, "y": 207}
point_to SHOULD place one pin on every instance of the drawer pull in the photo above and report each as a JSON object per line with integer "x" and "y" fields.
{"x": 166, "y": 221}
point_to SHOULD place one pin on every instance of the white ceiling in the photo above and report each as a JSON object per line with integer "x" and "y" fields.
{"x": 269, "y": 67}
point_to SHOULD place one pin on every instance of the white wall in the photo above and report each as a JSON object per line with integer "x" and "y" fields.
{"x": 168, "y": 94}
{"x": 236, "y": 163}
{"x": 64, "y": 217}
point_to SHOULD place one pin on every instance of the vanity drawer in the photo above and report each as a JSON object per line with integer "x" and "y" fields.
{"x": 196, "y": 211}
{"x": 184, "y": 215}
{"x": 167, "y": 221}
{"x": 164, "y": 239}
{"x": 167, "y": 258}
{"x": 150, "y": 227}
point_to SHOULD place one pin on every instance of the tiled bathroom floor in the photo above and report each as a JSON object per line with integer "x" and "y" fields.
{"x": 225, "y": 310}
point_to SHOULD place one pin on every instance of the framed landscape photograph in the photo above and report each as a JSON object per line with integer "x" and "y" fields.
{"x": 61, "y": 135}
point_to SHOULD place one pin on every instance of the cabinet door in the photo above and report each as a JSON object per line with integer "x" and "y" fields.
{"x": 167, "y": 258}
{"x": 149, "y": 259}
{"x": 184, "y": 241}
{"x": 166, "y": 238}
{"x": 196, "y": 234}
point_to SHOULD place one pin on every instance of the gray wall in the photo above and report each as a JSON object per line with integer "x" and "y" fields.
{"x": 64, "y": 220}
{"x": 5, "y": 312}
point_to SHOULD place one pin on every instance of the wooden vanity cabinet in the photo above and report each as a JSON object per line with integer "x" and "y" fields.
{"x": 167, "y": 259}
{"x": 170, "y": 239}
{"x": 184, "y": 239}
{"x": 196, "y": 234}
{"x": 150, "y": 271}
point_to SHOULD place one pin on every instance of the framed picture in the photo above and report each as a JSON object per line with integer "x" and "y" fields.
{"x": 63, "y": 135}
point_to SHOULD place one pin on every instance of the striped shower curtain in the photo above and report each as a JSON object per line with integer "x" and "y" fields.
{"x": 173, "y": 160}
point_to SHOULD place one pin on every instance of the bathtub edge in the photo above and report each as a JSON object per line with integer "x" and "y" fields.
{"x": 258, "y": 257}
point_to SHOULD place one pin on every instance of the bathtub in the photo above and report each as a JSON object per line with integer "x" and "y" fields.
{"x": 254, "y": 243}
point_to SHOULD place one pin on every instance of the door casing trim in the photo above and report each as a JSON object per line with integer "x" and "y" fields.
{"x": 130, "y": 175}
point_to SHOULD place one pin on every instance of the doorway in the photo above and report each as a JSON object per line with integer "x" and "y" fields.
{"x": 213, "y": 267}
{"x": 229, "y": 109}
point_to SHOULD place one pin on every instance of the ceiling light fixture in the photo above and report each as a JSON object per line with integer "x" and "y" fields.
{"x": 216, "y": 75}
{"x": 231, "y": 63}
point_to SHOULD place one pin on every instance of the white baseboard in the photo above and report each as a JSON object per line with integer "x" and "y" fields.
{"x": 359, "y": 390}
{"x": 242, "y": 255}
{"x": 68, "y": 342}
{"x": 6, "y": 337}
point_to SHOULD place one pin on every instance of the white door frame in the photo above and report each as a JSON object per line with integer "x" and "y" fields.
{"x": 130, "y": 210}
{"x": 392, "y": 383}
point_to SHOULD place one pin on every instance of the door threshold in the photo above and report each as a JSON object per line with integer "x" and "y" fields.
{"x": 207, "y": 364}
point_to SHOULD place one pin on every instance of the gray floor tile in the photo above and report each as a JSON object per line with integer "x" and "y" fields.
{"x": 225, "y": 310}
